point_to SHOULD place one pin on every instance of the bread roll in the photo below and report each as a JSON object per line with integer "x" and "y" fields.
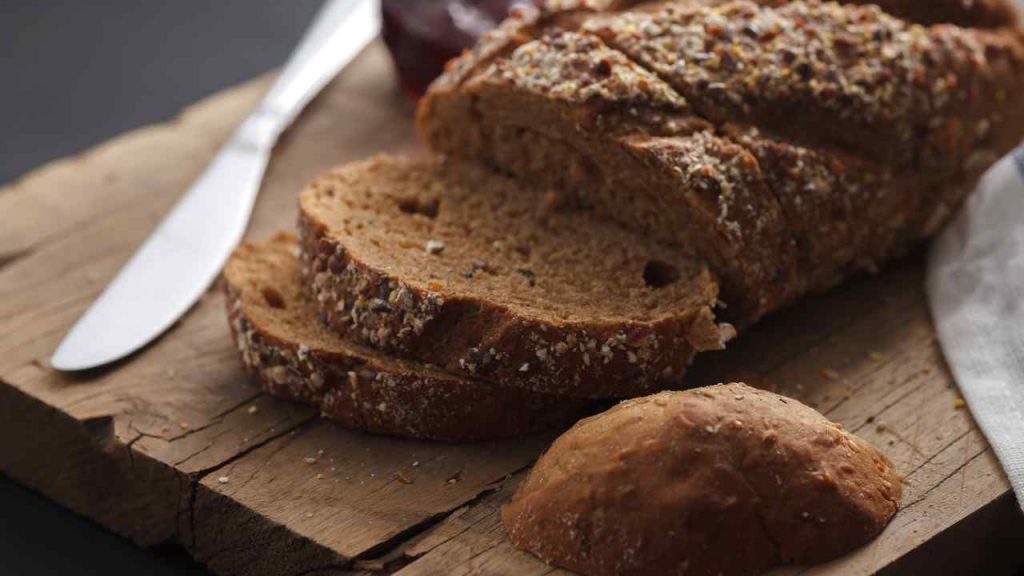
{"x": 726, "y": 480}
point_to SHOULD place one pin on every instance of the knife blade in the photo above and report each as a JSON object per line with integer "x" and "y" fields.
{"x": 187, "y": 250}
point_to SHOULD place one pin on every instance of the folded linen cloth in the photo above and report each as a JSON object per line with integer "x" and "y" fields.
{"x": 975, "y": 285}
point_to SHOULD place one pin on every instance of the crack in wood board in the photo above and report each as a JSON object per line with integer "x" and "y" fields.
{"x": 336, "y": 488}
{"x": 406, "y": 548}
{"x": 473, "y": 542}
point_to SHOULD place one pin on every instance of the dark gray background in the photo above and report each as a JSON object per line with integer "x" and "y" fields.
{"x": 72, "y": 74}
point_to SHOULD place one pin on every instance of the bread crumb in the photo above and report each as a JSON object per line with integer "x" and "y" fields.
{"x": 727, "y": 332}
{"x": 319, "y": 476}
{"x": 309, "y": 514}
{"x": 253, "y": 409}
{"x": 416, "y": 464}
{"x": 959, "y": 404}
{"x": 434, "y": 246}
{"x": 403, "y": 477}
{"x": 183, "y": 425}
{"x": 224, "y": 479}
{"x": 310, "y": 460}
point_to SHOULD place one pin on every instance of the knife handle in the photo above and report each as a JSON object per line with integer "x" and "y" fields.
{"x": 340, "y": 31}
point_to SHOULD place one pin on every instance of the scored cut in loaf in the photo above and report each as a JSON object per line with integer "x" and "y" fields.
{"x": 790, "y": 144}
{"x": 455, "y": 265}
{"x": 282, "y": 342}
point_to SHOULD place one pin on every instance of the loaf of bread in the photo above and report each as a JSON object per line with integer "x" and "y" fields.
{"x": 274, "y": 323}
{"x": 727, "y": 480}
{"x": 454, "y": 265}
{"x": 790, "y": 144}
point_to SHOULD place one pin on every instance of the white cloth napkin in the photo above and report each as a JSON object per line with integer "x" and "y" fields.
{"x": 976, "y": 291}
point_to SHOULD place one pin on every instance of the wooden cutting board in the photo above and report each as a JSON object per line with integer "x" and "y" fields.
{"x": 176, "y": 444}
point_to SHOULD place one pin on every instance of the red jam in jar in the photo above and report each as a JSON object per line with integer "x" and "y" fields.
{"x": 424, "y": 34}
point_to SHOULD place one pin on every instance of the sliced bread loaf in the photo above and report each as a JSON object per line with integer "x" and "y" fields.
{"x": 569, "y": 113}
{"x": 455, "y": 265}
{"x": 789, "y": 143}
{"x": 282, "y": 342}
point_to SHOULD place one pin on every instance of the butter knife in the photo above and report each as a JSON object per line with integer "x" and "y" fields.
{"x": 186, "y": 252}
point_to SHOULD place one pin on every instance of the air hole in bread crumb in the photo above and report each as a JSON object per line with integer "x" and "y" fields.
{"x": 658, "y": 274}
{"x": 273, "y": 297}
{"x": 428, "y": 207}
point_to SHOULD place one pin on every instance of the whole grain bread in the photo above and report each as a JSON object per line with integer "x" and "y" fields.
{"x": 851, "y": 134}
{"x": 282, "y": 343}
{"x": 727, "y": 480}
{"x": 451, "y": 264}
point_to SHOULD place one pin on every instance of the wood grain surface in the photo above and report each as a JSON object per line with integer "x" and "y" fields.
{"x": 175, "y": 443}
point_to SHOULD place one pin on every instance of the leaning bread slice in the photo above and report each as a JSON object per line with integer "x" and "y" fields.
{"x": 455, "y": 265}
{"x": 275, "y": 325}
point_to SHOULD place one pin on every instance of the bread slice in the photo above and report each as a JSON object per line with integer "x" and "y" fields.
{"x": 455, "y": 265}
{"x": 282, "y": 342}
{"x": 784, "y": 185}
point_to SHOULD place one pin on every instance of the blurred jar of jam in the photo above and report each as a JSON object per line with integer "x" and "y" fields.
{"x": 424, "y": 34}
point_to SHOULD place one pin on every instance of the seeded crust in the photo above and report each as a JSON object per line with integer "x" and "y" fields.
{"x": 972, "y": 14}
{"x": 452, "y": 264}
{"x": 283, "y": 344}
{"x": 533, "y": 20}
{"x": 726, "y": 480}
{"x": 825, "y": 73}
